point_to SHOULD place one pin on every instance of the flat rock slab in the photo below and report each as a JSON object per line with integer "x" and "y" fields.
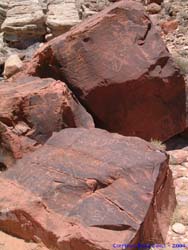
{"x": 89, "y": 189}
{"x": 120, "y": 69}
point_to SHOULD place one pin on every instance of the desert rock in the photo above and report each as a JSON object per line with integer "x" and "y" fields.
{"x": 141, "y": 95}
{"x": 61, "y": 16}
{"x": 89, "y": 189}
{"x": 13, "y": 64}
{"x": 24, "y": 23}
{"x": 45, "y": 105}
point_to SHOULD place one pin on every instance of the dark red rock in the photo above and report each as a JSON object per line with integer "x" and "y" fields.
{"x": 31, "y": 109}
{"x": 44, "y": 105}
{"x": 120, "y": 69}
{"x": 88, "y": 189}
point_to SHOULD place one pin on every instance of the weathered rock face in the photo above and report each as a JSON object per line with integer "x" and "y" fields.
{"x": 3, "y": 10}
{"x": 24, "y": 23}
{"x": 8, "y": 241}
{"x": 89, "y": 189}
{"x": 61, "y": 16}
{"x": 119, "y": 68}
{"x": 31, "y": 109}
{"x": 89, "y": 7}
{"x": 13, "y": 64}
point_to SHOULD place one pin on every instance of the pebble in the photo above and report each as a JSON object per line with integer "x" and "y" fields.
{"x": 178, "y": 228}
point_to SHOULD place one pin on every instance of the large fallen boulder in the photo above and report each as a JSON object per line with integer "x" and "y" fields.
{"x": 120, "y": 69}
{"x": 31, "y": 109}
{"x": 89, "y": 189}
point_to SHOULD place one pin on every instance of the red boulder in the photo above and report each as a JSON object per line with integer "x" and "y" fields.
{"x": 87, "y": 189}
{"x": 120, "y": 69}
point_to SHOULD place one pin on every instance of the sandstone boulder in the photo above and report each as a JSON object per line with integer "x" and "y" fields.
{"x": 13, "y": 64}
{"x": 24, "y": 23}
{"x": 88, "y": 189}
{"x": 44, "y": 105}
{"x": 120, "y": 69}
{"x": 61, "y": 16}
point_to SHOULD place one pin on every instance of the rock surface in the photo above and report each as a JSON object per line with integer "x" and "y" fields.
{"x": 178, "y": 228}
{"x": 97, "y": 63}
{"x": 31, "y": 109}
{"x": 179, "y": 167}
{"x": 24, "y": 23}
{"x": 61, "y": 16}
{"x": 3, "y": 10}
{"x": 7, "y": 242}
{"x": 88, "y": 189}
{"x": 12, "y": 65}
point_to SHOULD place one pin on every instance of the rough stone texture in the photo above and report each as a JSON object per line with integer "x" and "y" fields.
{"x": 88, "y": 189}
{"x": 3, "y": 10}
{"x": 4, "y": 53}
{"x": 87, "y": 8}
{"x": 61, "y": 16}
{"x": 10, "y": 141}
{"x": 13, "y": 64}
{"x": 119, "y": 68}
{"x": 45, "y": 105}
{"x": 24, "y": 23}
{"x": 7, "y": 242}
{"x": 169, "y": 26}
{"x": 179, "y": 166}
{"x": 153, "y": 8}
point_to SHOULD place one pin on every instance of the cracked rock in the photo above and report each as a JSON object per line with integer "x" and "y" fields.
{"x": 94, "y": 189}
{"x": 43, "y": 105}
{"x": 96, "y": 59}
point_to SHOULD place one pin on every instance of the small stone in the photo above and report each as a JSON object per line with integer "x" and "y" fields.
{"x": 153, "y": 8}
{"x": 12, "y": 65}
{"x": 178, "y": 228}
